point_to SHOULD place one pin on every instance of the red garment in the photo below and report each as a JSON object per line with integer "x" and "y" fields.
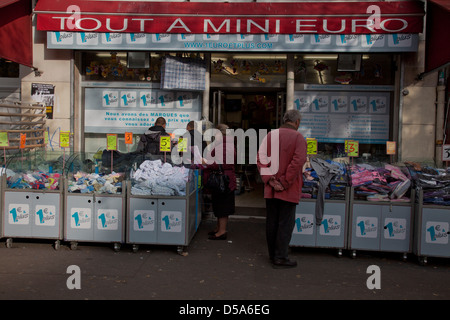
{"x": 286, "y": 167}
{"x": 228, "y": 148}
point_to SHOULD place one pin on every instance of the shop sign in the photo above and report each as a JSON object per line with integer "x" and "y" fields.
{"x": 231, "y": 18}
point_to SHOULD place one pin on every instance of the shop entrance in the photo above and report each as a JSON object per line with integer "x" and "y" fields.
{"x": 248, "y": 109}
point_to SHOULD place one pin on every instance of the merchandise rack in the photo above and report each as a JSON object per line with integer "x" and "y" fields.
{"x": 331, "y": 233}
{"x": 164, "y": 220}
{"x": 385, "y": 226}
{"x": 92, "y": 216}
{"x": 29, "y": 213}
{"x": 431, "y": 237}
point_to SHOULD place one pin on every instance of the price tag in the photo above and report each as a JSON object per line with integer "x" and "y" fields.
{"x": 111, "y": 141}
{"x": 182, "y": 145}
{"x": 64, "y": 139}
{"x": 311, "y": 144}
{"x": 23, "y": 140}
{"x": 164, "y": 144}
{"x": 128, "y": 137}
{"x": 352, "y": 148}
{"x": 390, "y": 147}
{"x": 446, "y": 152}
{"x": 46, "y": 137}
{"x": 4, "y": 140}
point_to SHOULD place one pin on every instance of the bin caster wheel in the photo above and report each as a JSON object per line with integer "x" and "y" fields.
{"x": 116, "y": 247}
{"x": 9, "y": 243}
{"x": 405, "y": 256}
{"x": 73, "y": 245}
{"x": 354, "y": 254}
{"x": 339, "y": 253}
{"x": 57, "y": 245}
{"x": 181, "y": 250}
{"x": 135, "y": 248}
{"x": 423, "y": 261}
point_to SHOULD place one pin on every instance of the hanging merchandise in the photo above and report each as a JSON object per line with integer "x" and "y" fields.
{"x": 183, "y": 73}
{"x": 320, "y": 67}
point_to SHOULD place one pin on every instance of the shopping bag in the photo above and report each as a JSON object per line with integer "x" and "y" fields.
{"x": 218, "y": 181}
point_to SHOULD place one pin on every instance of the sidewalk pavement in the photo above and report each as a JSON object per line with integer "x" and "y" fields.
{"x": 234, "y": 269}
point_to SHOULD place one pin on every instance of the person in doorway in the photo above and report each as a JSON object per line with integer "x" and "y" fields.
{"x": 280, "y": 161}
{"x": 197, "y": 144}
{"x": 150, "y": 140}
{"x": 223, "y": 203}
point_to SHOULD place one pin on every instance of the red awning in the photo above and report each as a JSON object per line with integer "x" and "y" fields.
{"x": 15, "y": 31}
{"x": 213, "y": 17}
{"x": 437, "y": 49}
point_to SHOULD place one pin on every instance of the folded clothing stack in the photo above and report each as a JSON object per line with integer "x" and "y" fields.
{"x": 158, "y": 178}
{"x": 83, "y": 182}
{"x": 388, "y": 183}
{"x": 435, "y": 183}
{"x": 32, "y": 180}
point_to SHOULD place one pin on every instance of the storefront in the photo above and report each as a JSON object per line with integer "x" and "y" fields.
{"x": 337, "y": 62}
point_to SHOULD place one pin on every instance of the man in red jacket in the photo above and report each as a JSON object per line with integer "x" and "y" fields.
{"x": 280, "y": 161}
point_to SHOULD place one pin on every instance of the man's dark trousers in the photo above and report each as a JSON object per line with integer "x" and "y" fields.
{"x": 280, "y": 222}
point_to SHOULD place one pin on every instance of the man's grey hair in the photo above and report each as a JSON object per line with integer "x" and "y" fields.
{"x": 292, "y": 116}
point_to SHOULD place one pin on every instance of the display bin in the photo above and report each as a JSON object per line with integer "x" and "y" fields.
{"x": 93, "y": 215}
{"x": 431, "y": 235}
{"x": 331, "y": 233}
{"x": 380, "y": 226}
{"x": 164, "y": 220}
{"x": 32, "y": 197}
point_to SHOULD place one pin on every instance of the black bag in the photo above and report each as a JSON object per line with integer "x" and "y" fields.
{"x": 218, "y": 181}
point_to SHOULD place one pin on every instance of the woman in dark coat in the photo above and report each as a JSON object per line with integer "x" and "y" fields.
{"x": 222, "y": 203}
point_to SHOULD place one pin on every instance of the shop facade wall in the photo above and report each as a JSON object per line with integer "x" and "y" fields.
{"x": 53, "y": 67}
{"x": 418, "y": 115}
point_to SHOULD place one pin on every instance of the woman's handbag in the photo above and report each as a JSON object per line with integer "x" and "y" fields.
{"x": 218, "y": 181}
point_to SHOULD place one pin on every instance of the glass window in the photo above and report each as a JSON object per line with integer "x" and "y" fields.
{"x": 117, "y": 66}
{"x": 248, "y": 68}
{"x": 372, "y": 69}
{"x": 8, "y": 69}
{"x": 342, "y": 114}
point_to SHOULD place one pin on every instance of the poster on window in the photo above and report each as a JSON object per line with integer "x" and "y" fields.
{"x": 338, "y": 116}
{"x": 117, "y": 110}
{"x": 44, "y": 93}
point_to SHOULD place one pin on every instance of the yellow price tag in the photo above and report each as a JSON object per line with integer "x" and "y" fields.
{"x": 390, "y": 147}
{"x": 64, "y": 139}
{"x": 311, "y": 144}
{"x": 352, "y": 148}
{"x": 4, "y": 140}
{"x": 182, "y": 145}
{"x": 111, "y": 141}
{"x": 164, "y": 144}
{"x": 46, "y": 137}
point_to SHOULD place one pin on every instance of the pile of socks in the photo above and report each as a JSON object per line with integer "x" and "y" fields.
{"x": 32, "y": 180}
{"x": 83, "y": 182}
{"x": 434, "y": 182}
{"x": 387, "y": 183}
{"x": 158, "y": 178}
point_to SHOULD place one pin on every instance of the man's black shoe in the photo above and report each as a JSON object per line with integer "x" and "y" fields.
{"x": 284, "y": 263}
